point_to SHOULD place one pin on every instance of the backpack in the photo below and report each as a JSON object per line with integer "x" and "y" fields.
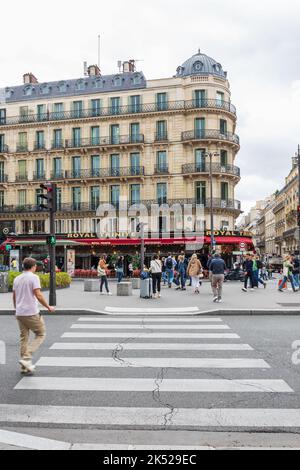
{"x": 169, "y": 263}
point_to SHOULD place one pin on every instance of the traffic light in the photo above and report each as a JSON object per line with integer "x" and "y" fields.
{"x": 51, "y": 240}
{"x": 49, "y": 197}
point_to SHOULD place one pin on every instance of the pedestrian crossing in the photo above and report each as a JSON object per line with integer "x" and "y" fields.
{"x": 157, "y": 371}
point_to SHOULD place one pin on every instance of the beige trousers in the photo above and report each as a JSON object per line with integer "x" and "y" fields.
{"x": 217, "y": 284}
{"x": 35, "y": 324}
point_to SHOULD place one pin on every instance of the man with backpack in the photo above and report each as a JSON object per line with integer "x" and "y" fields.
{"x": 170, "y": 265}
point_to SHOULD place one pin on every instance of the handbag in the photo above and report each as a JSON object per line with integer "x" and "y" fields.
{"x": 101, "y": 272}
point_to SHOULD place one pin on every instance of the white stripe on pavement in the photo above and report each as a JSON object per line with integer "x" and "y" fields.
{"x": 31, "y": 442}
{"x": 154, "y": 362}
{"x": 148, "y": 385}
{"x": 84, "y": 326}
{"x": 152, "y": 310}
{"x": 150, "y": 417}
{"x": 135, "y": 334}
{"x": 152, "y": 346}
{"x": 149, "y": 320}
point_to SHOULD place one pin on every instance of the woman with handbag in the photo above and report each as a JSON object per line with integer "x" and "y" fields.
{"x": 156, "y": 272}
{"x": 102, "y": 267}
{"x": 194, "y": 270}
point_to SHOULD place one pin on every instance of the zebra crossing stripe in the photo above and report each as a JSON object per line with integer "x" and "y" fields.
{"x": 148, "y": 418}
{"x": 154, "y": 362}
{"x": 148, "y": 385}
{"x": 151, "y": 346}
{"x": 152, "y": 310}
{"x": 84, "y": 326}
{"x": 149, "y": 320}
{"x": 164, "y": 336}
{"x": 31, "y": 442}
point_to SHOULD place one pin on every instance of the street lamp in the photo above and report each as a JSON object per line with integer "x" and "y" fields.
{"x": 212, "y": 238}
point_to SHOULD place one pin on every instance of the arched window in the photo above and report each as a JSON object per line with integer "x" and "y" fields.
{"x": 9, "y": 93}
{"x": 99, "y": 83}
{"x": 62, "y": 87}
{"x": 80, "y": 85}
{"x": 117, "y": 81}
{"x": 45, "y": 89}
{"x": 28, "y": 90}
{"x": 137, "y": 79}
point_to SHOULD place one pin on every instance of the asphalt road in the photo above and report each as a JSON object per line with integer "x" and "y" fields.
{"x": 141, "y": 383}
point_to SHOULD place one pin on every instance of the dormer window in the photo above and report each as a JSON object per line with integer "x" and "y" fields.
{"x": 62, "y": 87}
{"x": 9, "y": 93}
{"x": 217, "y": 68}
{"x": 28, "y": 91}
{"x": 137, "y": 79}
{"x": 45, "y": 89}
{"x": 80, "y": 86}
{"x": 180, "y": 70}
{"x": 117, "y": 81}
{"x": 198, "y": 66}
{"x": 98, "y": 83}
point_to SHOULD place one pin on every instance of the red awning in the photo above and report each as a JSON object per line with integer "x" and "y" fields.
{"x": 230, "y": 240}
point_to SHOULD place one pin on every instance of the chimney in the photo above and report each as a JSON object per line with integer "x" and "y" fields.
{"x": 129, "y": 66}
{"x": 29, "y": 78}
{"x": 94, "y": 71}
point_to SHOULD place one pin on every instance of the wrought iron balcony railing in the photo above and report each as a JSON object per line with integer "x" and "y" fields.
{"x": 105, "y": 172}
{"x": 91, "y": 206}
{"x": 210, "y": 134}
{"x": 22, "y": 148}
{"x": 39, "y": 146}
{"x": 105, "y": 141}
{"x": 161, "y": 169}
{"x": 3, "y": 178}
{"x": 21, "y": 177}
{"x": 121, "y": 110}
{"x": 205, "y": 168}
{"x": 39, "y": 176}
{"x": 161, "y": 137}
{"x": 4, "y": 148}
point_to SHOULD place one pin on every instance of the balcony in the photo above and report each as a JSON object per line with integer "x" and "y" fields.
{"x": 217, "y": 168}
{"x": 211, "y": 104}
{"x": 39, "y": 176}
{"x": 22, "y": 148}
{"x": 3, "y": 178}
{"x": 161, "y": 170}
{"x": 4, "y": 148}
{"x": 105, "y": 141}
{"x": 39, "y": 146}
{"x": 122, "y": 111}
{"x": 210, "y": 134}
{"x": 57, "y": 145}
{"x": 161, "y": 137}
{"x": 106, "y": 173}
{"x": 21, "y": 177}
{"x": 218, "y": 203}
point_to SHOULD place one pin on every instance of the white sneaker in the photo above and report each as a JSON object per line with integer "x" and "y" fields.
{"x": 159, "y": 296}
{"x": 219, "y": 301}
{"x": 245, "y": 290}
{"x": 27, "y": 365}
{"x": 215, "y": 299}
{"x": 109, "y": 293}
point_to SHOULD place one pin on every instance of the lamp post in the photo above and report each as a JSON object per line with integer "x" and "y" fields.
{"x": 212, "y": 238}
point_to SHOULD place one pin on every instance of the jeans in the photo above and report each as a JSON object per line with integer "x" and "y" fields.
{"x": 156, "y": 280}
{"x": 249, "y": 275}
{"x": 120, "y": 275}
{"x": 285, "y": 279}
{"x": 170, "y": 275}
{"x": 296, "y": 280}
{"x": 103, "y": 282}
{"x": 257, "y": 279}
{"x": 182, "y": 279}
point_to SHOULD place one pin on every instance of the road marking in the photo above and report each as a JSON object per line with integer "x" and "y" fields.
{"x": 151, "y": 417}
{"x": 152, "y": 310}
{"x": 84, "y": 326}
{"x": 154, "y": 362}
{"x": 125, "y": 320}
{"x": 31, "y": 442}
{"x": 152, "y": 346}
{"x": 148, "y": 385}
{"x": 135, "y": 334}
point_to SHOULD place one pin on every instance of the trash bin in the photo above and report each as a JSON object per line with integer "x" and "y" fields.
{"x": 3, "y": 283}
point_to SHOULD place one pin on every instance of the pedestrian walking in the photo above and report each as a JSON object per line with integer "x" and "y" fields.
{"x": 120, "y": 268}
{"x": 164, "y": 273}
{"x": 156, "y": 271}
{"x": 130, "y": 270}
{"x": 287, "y": 274}
{"x": 181, "y": 270}
{"x": 248, "y": 268}
{"x": 257, "y": 267}
{"x": 296, "y": 270}
{"x": 102, "y": 274}
{"x": 170, "y": 265}
{"x": 217, "y": 268}
{"x": 194, "y": 271}
{"x": 26, "y": 298}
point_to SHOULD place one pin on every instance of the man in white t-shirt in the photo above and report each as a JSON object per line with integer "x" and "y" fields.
{"x": 27, "y": 296}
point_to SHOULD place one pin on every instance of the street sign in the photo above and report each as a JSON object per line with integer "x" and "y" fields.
{"x": 243, "y": 246}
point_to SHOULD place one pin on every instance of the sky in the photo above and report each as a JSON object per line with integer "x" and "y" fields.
{"x": 257, "y": 43}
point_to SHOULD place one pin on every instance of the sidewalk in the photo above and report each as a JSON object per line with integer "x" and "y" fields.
{"x": 233, "y": 299}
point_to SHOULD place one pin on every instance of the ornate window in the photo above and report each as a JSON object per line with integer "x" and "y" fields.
{"x": 217, "y": 68}
{"x": 137, "y": 79}
{"x": 28, "y": 90}
{"x": 45, "y": 89}
{"x": 198, "y": 66}
{"x": 99, "y": 83}
{"x": 80, "y": 85}
{"x": 62, "y": 87}
{"x": 117, "y": 81}
{"x": 9, "y": 93}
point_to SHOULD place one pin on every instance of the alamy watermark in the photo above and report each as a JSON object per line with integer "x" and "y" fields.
{"x": 296, "y": 354}
{"x": 2, "y": 353}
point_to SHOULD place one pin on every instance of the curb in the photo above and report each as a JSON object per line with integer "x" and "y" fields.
{"x": 220, "y": 312}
